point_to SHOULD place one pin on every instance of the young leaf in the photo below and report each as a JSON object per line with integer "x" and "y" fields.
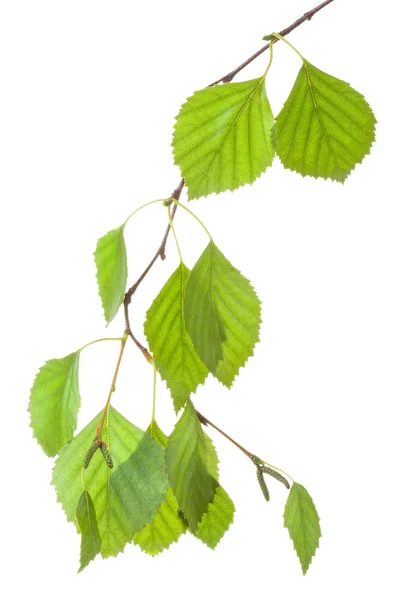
{"x": 112, "y": 271}
{"x": 172, "y": 348}
{"x": 302, "y": 521}
{"x": 325, "y": 127}
{"x": 223, "y": 137}
{"x": 222, "y": 314}
{"x": 54, "y": 402}
{"x": 125, "y": 498}
{"x": 190, "y": 458}
{"x": 86, "y": 517}
{"x": 217, "y": 520}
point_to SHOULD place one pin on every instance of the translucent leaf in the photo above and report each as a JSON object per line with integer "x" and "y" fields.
{"x": 190, "y": 458}
{"x": 126, "y": 497}
{"x": 168, "y": 524}
{"x": 112, "y": 271}
{"x": 90, "y": 542}
{"x": 223, "y": 137}
{"x": 325, "y": 127}
{"x": 166, "y": 527}
{"x": 54, "y": 402}
{"x": 172, "y": 349}
{"x": 157, "y": 434}
{"x": 302, "y": 520}
{"x": 222, "y": 314}
{"x": 217, "y": 520}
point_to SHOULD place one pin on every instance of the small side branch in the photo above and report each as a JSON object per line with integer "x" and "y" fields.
{"x": 206, "y": 421}
{"x": 261, "y": 465}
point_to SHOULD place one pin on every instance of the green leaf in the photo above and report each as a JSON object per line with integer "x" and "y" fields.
{"x": 166, "y": 527}
{"x": 90, "y": 542}
{"x": 302, "y": 521}
{"x": 190, "y": 458}
{"x": 172, "y": 348}
{"x": 125, "y": 498}
{"x": 168, "y": 524}
{"x": 217, "y": 520}
{"x": 219, "y": 515}
{"x": 157, "y": 434}
{"x": 223, "y": 137}
{"x": 222, "y": 314}
{"x": 112, "y": 271}
{"x": 54, "y": 402}
{"x": 325, "y": 127}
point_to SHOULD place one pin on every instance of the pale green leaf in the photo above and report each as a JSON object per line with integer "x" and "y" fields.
{"x": 168, "y": 524}
{"x": 126, "y": 497}
{"x": 302, "y": 521}
{"x": 112, "y": 271}
{"x": 217, "y": 520}
{"x": 54, "y": 402}
{"x": 222, "y": 314}
{"x": 172, "y": 348}
{"x": 223, "y": 137}
{"x": 90, "y": 542}
{"x": 166, "y": 527}
{"x": 325, "y": 127}
{"x": 190, "y": 457}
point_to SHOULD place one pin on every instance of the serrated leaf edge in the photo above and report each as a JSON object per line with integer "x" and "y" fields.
{"x": 358, "y": 162}
{"x": 122, "y": 227}
{"x": 77, "y": 356}
{"x": 233, "y": 189}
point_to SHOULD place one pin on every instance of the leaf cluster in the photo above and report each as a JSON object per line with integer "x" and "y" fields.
{"x": 144, "y": 487}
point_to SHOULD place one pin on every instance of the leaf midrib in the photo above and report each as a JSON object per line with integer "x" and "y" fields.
{"x": 233, "y": 123}
{"x": 310, "y": 87}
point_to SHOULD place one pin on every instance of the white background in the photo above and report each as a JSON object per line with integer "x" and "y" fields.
{"x": 89, "y": 91}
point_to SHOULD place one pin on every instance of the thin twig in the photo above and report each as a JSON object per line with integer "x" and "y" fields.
{"x": 306, "y": 17}
{"x": 261, "y": 464}
{"x": 160, "y": 253}
{"x": 206, "y": 421}
{"x": 99, "y": 428}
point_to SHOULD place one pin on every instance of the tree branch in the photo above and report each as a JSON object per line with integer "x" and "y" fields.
{"x": 206, "y": 422}
{"x": 177, "y": 192}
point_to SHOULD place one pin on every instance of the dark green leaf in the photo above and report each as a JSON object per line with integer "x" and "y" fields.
{"x": 55, "y": 402}
{"x": 112, "y": 271}
{"x": 168, "y": 524}
{"x": 90, "y": 542}
{"x": 190, "y": 458}
{"x": 302, "y": 520}
{"x": 223, "y": 137}
{"x": 172, "y": 348}
{"x": 222, "y": 314}
{"x": 325, "y": 127}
